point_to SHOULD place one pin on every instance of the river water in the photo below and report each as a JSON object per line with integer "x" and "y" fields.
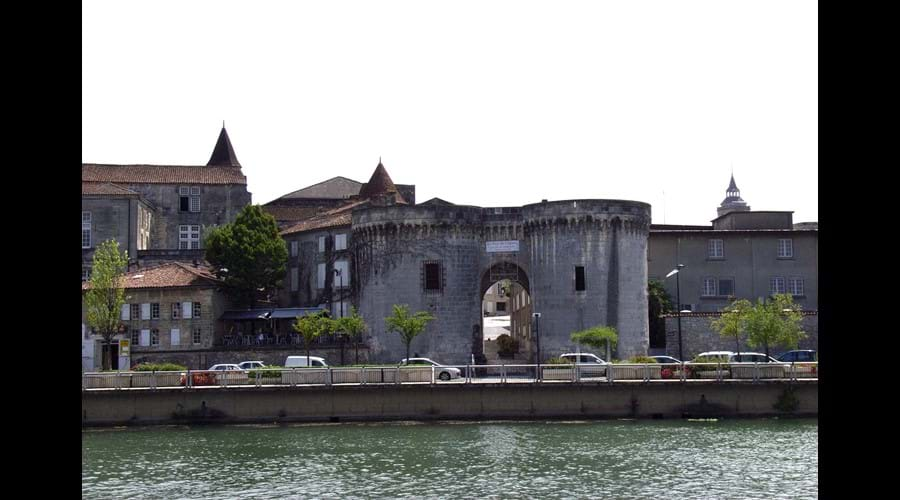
{"x": 598, "y": 459}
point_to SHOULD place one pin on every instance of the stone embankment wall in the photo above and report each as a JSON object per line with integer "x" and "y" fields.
{"x": 449, "y": 401}
{"x": 697, "y": 336}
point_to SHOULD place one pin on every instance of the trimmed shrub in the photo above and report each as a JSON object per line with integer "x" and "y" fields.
{"x": 507, "y": 346}
{"x": 267, "y": 372}
{"x": 641, "y": 359}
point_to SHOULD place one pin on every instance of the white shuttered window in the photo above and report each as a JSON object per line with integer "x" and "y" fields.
{"x": 176, "y": 336}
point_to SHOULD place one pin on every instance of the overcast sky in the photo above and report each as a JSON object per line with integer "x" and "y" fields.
{"x": 484, "y": 103}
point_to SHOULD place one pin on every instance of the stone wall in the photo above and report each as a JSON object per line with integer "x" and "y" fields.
{"x": 697, "y": 336}
{"x": 246, "y": 404}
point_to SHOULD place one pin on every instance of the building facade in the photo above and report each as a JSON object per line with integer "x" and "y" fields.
{"x": 744, "y": 254}
{"x": 171, "y": 314}
{"x": 159, "y": 213}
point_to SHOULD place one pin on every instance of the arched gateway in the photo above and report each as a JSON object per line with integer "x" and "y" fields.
{"x": 583, "y": 263}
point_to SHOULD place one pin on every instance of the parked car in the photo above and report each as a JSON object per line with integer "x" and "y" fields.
{"x": 225, "y": 367}
{"x": 251, "y": 365}
{"x": 800, "y": 356}
{"x": 751, "y": 357}
{"x": 443, "y": 372}
{"x": 665, "y": 359}
{"x": 305, "y": 362}
{"x": 586, "y": 358}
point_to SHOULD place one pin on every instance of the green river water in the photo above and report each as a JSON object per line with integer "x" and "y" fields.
{"x": 597, "y": 459}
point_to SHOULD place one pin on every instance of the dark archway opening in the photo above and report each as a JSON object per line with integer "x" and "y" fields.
{"x": 504, "y": 335}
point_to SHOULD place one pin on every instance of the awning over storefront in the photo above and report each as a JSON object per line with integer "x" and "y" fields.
{"x": 293, "y": 312}
{"x": 269, "y": 313}
{"x": 247, "y": 314}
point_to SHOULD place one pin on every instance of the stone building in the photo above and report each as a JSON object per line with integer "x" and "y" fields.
{"x": 743, "y": 254}
{"x": 170, "y": 314}
{"x": 582, "y": 263}
{"x": 159, "y": 212}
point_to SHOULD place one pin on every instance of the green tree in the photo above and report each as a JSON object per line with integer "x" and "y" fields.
{"x": 776, "y": 322}
{"x": 409, "y": 326}
{"x": 732, "y": 323}
{"x": 597, "y": 337}
{"x": 658, "y": 303}
{"x": 248, "y": 255}
{"x": 354, "y": 326}
{"x": 105, "y": 295}
{"x": 311, "y": 326}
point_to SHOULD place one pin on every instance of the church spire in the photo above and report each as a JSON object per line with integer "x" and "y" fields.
{"x": 733, "y": 201}
{"x": 223, "y": 154}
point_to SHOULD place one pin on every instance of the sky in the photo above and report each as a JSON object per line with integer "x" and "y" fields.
{"x": 486, "y": 103}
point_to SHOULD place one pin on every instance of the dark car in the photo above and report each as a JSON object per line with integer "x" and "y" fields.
{"x": 801, "y": 356}
{"x": 665, "y": 359}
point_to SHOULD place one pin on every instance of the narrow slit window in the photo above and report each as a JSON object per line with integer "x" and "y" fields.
{"x": 432, "y": 276}
{"x": 579, "y": 278}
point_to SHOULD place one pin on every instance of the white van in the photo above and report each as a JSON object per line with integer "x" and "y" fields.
{"x": 305, "y": 362}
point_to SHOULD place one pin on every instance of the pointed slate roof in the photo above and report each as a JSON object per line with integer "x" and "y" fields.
{"x": 379, "y": 184}
{"x": 732, "y": 186}
{"x": 223, "y": 154}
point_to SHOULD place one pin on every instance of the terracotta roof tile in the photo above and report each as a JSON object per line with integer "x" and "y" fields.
{"x": 341, "y": 216}
{"x": 106, "y": 189}
{"x": 168, "y": 275}
{"x": 161, "y": 174}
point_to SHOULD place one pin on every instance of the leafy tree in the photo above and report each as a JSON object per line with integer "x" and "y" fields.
{"x": 354, "y": 326}
{"x": 248, "y": 255}
{"x": 658, "y": 303}
{"x": 407, "y": 325}
{"x": 105, "y": 295}
{"x": 597, "y": 337}
{"x": 312, "y": 326}
{"x": 733, "y": 321}
{"x": 776, "y": 322}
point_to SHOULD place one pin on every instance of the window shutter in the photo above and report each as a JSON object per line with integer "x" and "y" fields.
{"x": 294, "y": 248}
{"x": 176, "y": 336}
{"x": 145, "y": 311}
{"x": 321, "y": 247}
{"x": 340, "y": 242}
{"x": 145, "y": 337}
{"x": 187, "y": 310}
{"x": 126, "y": 312}
{"x": 321, "y": 276}
{"x": 294, "y": 279}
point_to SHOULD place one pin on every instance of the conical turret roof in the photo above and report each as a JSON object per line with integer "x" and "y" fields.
{"x": 380, "y": 184}
{"x": 223, "y": 154}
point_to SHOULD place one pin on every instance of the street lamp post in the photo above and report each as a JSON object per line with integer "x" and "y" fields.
{"x": 678, "y": 305}
{"x": 341, "y": 313}
{"x": 537, "y": 338}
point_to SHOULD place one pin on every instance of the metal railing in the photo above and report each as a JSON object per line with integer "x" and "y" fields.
{"x": 452, "y": 374}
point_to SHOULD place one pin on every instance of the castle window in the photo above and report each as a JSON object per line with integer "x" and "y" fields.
{"x": 432, "y": 276}
{"x": 579, "y": 279}
{"x": 776, "y": 285}
{"x": 340, "y": 242}
{"x": 85, "y": 273}
{"x": 189, "y": 199}
{"x": 154, "y": 310}
{"x": 135, "y": 312}
{"x": 196, "y": 309}
{"x": 716, "y": 249}
{"x": 718, "y": 287}
{"x": 189, "y": 237}
{"x": 135, "y": 337}
{"x": 176, "y": 310}
{"x": 154, "y": 336}
{"x": 795, "y": 286}
{"x": 295, "y": 246}
{"x": 785, "y": 248}
{"x": 322, "y": 248}
{"x": 196, "y": 336}
{"x": 85, "y": 230}
{"x": 709, "y": 287}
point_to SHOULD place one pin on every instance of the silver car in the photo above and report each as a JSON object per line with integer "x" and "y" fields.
{"x": 443, "y": 372}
